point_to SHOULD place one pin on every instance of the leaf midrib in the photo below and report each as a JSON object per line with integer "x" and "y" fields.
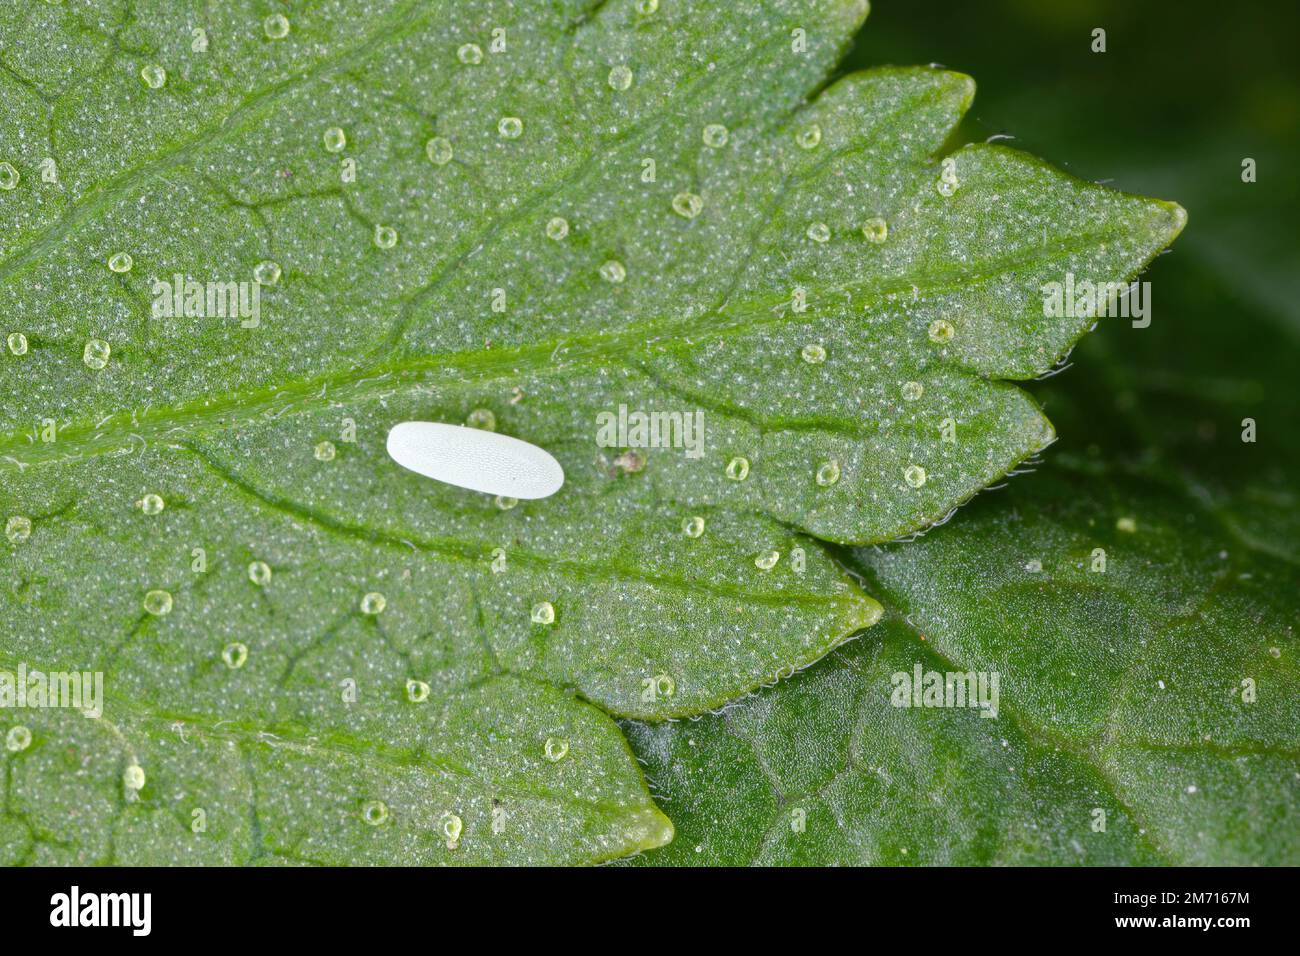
{"x": 473, "y": 368}
{"x": 99, "y": 197}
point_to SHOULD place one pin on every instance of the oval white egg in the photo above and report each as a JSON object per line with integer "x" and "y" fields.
{"x": 475, "y": 459}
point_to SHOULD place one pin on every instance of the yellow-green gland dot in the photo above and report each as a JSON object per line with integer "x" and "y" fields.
{"x": 613, "y": 271}
{"x": 335, "y": 140}
{"x": 96, "y": 354}
{"x": 8, "y": 176}
{"x": 819, "y": 232}
{"x": 665, "y": 686}
{"x": 158, "y": 603}
{"x": 471, "y": 54}
{"x": 373, "y": 603}
{"x": 693, "y": 526}
{"x": 828, "y": 474}
{"x": 120, "y": 262}
{"x": 452, "y": 827}
{"x": 555, "y": 749}
{"x": 687, "y": 205}
{"x": 620, "y": 78}
{"x": 325, "y": 451}
{"x": 809, "y": 137}
{"x": 767, "y": 560}
{"x": 417, "y": 691}
{"x": 912, "y": 391}
{"x": 505, "y": 502}
{"x": 18, "y": 529}
{"x": 375, "y": 813}
{"x": 647, "y": 7}
{"x": 875, "y": 230}
{"x": 276, "y": 26}
{"x": 510, "y": 127}
{"x": 154, "y": 76}
{"x": 151, "y": 504}
{"x": 482, "y": 418}
{"x": 813, "y": 353}
{"x": 133, "y": 777}
{"x": 266, "y": 272}
{"x": 738, "y": 468}
{"x": 438, "y": 150}
{"x": 1127, "y": 525}
{"x": 914, "y": 475}
{"x": 715, "y": 135}
{"x": 235, "y": 655}
{"x": 17, "y": 343}
{"x": 557, "y": 229}
{"x": 385, "y": 237}
{"x": 18, "y": 739}
{"x": 941, "y": 330}
{"x": 259, "y": 572}
{"x": 543, "y": 613}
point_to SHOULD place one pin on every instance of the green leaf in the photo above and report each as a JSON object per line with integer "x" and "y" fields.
{"x": 395, "y": 785}
{"x": 437, "y": 284}
{"x": 1127, "y": 690}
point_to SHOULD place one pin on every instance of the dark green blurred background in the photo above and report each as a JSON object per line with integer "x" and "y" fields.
{"x": 1184, "y": 92}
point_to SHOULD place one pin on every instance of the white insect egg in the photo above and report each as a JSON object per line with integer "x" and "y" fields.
{"x": 476, "y": 459}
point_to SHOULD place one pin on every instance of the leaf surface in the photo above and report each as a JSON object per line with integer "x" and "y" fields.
{"x": 1160, "y": 691}
{"x": 395, "y": 184}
